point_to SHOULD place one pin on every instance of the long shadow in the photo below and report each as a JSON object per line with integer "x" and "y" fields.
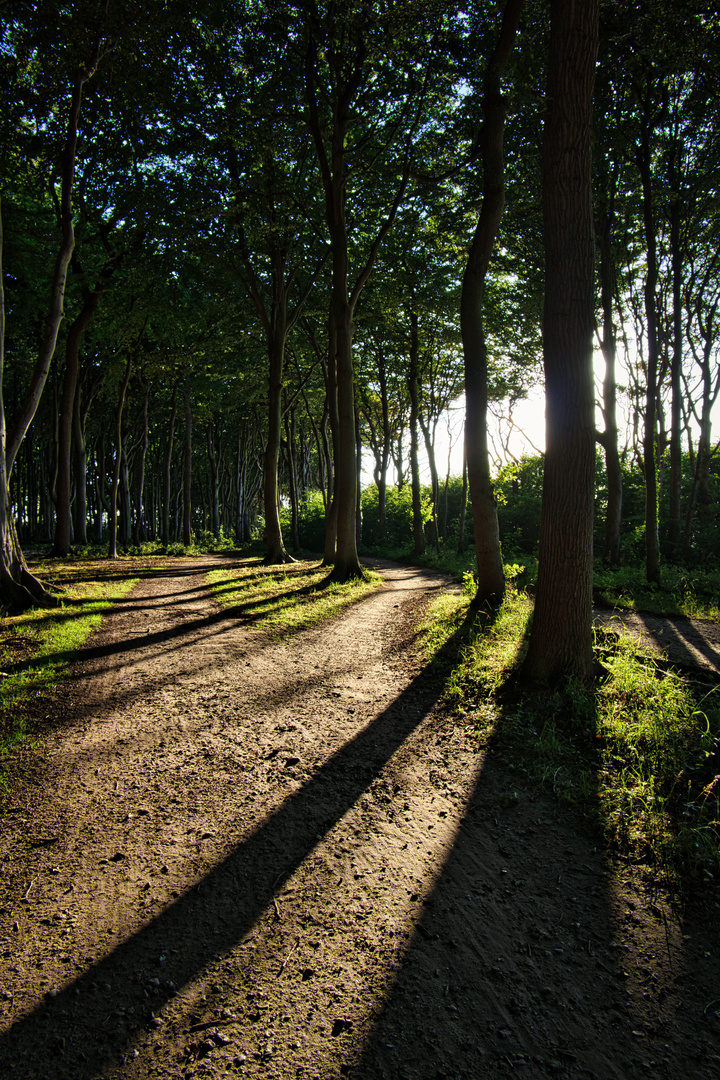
{"x": 70, "y": 1032}
{"x": 248, "y": 613}
{"x": 675, "y": 634}
{"x": 527, "y": 963}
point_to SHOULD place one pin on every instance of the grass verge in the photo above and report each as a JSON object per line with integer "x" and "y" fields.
{"x": 37, "y": 646}
{"x": 637, "y": 758}
{"x": 285, "y": 599}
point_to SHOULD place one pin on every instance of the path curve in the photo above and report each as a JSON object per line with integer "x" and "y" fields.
{"x": 281, "y": 859}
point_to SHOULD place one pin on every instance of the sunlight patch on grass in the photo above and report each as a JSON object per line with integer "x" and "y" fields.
{"x": 659, "y": 768}
{"x": 37, "y": 645}
{"x": 286, "y": 599}
{"x": 637, "y": 756}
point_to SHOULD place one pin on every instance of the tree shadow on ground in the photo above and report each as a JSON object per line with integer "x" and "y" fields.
{"x": 534, "y": 957}
{"x": 67, "y": 1038}
{"x": 519, "y": 964}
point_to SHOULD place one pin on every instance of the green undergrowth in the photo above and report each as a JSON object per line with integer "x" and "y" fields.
{"x": 636, "y": 758}
{"x": 37, "y": 646}
{"x": 288, "y": 598}
{"x": 692, "y": 592}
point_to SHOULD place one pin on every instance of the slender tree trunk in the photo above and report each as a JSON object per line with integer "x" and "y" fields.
{"x": 125, "y": 508}
{"x": 80, "y": 512}
{"x": 275, "y": 552}
{"x": 561, "y": 637}
{"x": 138, "y": 524}
{"x": 292, "y": 477}
{"x": 675, "y": 482}
{"x": 113, "y": 514}
{"x": 17, "y": 585}
{"x": 434, "y": 481}
{"x": 187, "y": 468}
{"x": 463, "y": 508}
{"x": 609, "y": 440}
{"x": 101, "y": 495}
{"x": 652, "y": 544}
{"x": 358, "y": 477}
{"x": 334, "y": 422}
{"x": 167, "y": 461}
{"x": 213, "y": 450}
{"x": 413, "y": 376}
{"x": 490, "y": 572}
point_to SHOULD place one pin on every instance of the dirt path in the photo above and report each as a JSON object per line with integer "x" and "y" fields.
{"x": 277, "y": 860}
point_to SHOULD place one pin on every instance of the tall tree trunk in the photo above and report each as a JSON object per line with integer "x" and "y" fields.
{"x": 275, "y": 546}
{"x": 113, "y": 514}
{"x": 609, "y": 437}
{"x": 213, "y": 449}
{"x": 17, "y": 585}
{"x": 334, "y": 420}
{"x": 187, "y": 468}
{"x": 101, "y": 495}
{"x": 125, "y": 504}
{"x": 138, "y": 523}
{"x": 561, "y": 637}
{"x": 644, "y": 158}
{"x": 490, "y": 572}
{"x": 413, "y": 376}
{"x": 463, "y": 508}
{"x": 80, "y": 512}
{"x": 434, "y": 481}
{"x": 675, "y": 480}
{"x": 167, "y": 461}
{"x": 358, "y": 477}
{"x": 292, "y": 477}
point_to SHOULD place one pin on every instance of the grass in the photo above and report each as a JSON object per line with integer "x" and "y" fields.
{"x": 691, "y": 592}
{"x": 285, "y": 599}
{"x": 637, "y": 757}
{"x": 37, "y": 646}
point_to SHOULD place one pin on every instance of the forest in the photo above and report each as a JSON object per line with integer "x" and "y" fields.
{"x": 338, "y": 738}
{"x": 249, "y": 249}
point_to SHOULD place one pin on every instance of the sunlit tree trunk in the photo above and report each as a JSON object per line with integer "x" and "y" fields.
{"x": 561, "y": 637}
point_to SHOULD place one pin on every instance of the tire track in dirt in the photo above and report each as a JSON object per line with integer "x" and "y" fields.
{"x": 280, "y": 858}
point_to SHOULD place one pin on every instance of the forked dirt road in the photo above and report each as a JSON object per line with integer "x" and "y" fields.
{"x": 280, "y": 859}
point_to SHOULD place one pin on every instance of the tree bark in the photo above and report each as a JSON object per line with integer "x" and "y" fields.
{"x": 187, "y": 468}
{"x": 113, "y": 512}
{"x": 561, "y": 637}
{"x": 490, "y": 572}
{"x": 80, "y": 470}
{"x": 609, "y": 438}
{"x": 167, "y": 461}
{"x": 138, "y": 521}
{"x": 17, "y": 585}
{"x": 275, "y": 547}
{"x": 413, "y": 375}
{"x": 644, "y": 159}
{"x": 675, "y": 483}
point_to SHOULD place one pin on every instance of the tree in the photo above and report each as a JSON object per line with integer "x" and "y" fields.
{"x": 490, "y": 573}
{"x": 365, "y": 116}
{"x": 561, "y": 635}
{"x": 17, "y": 585}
